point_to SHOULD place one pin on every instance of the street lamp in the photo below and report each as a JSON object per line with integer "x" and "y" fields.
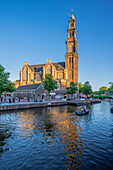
{"x": 34, "y": 95}
{"x": 28, "y": 96}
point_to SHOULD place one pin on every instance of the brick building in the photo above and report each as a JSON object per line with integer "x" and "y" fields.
{"x": 62, "y": 72}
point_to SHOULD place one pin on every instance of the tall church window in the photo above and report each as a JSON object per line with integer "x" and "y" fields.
{"x": 70, "y": 35}
{"x": 60, "y": 75}
{"x": 32, "y": 76}
{"x": 72, "y": 75}
{"x": 48, "y": 70}
{"x": 72, "y": 62}
{"x": 69, "y": 60}
{"x": 73, "y": 47}
{"x": 38, "y": 77}
{"x": 25, "y": 74}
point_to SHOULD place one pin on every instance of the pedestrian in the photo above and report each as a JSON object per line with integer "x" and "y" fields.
{"x": 13, "y": 100}
{"x": 28, "y": 99}
{"x": 9, "y": 100}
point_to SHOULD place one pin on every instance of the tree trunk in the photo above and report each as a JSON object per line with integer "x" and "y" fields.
{"x": 49, "y": 96}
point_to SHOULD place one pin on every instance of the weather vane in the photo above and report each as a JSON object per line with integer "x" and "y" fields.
{"x": 72, "y": 11}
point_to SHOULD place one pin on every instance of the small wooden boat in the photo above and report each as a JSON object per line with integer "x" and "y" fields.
{"x": 81, "y": 112}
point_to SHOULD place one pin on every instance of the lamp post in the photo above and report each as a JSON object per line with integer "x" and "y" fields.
{"x": 28, "y": 96}
{"x": 34, "y": 95}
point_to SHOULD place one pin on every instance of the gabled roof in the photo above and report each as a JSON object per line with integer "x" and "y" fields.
{"x": 62, "y": 64}
{"x": 39, "y": 67}
{"x": 59, "y": 66}
{"x": 28, "y": 87}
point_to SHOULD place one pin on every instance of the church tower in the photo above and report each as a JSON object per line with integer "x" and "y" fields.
{"x": 71, "y": 57}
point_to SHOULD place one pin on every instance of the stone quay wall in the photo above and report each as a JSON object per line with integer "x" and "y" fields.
{"x": 17, "y": 106}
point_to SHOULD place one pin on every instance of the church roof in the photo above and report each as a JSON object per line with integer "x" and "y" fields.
{"x": 39, "y": 67}
{"x": 59, "y": 66}
{"x": 28, "y": 87}
{"x": 62, "y": 64}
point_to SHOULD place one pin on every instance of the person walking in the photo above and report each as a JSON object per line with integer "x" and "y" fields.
{"x": 9, "y": 100}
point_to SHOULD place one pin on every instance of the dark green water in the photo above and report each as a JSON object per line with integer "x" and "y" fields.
{"x": 55, "y": 138}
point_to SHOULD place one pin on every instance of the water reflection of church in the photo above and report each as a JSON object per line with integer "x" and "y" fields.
{"x": 62, "y": 72}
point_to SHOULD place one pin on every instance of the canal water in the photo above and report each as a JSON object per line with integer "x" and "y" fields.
{"x": 55, "y": 138}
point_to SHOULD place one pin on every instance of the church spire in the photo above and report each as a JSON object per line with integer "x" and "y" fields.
{"x": 71, "y": 57}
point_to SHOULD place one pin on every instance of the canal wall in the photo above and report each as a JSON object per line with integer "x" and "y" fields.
{"x": 17, "y": 106}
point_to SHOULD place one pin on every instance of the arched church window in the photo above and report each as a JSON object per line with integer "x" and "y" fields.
{"x": 60, "y": 75}
{"x": 25, "y": 74}
{"x": 38, "y": 77}
{"x": 69, "y": 60}
{"x": 32, "y": 76}
{"x": 48, "y": 70}
{"x": 73, "y": 48}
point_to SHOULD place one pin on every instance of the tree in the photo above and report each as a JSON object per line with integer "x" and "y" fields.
{"x": 87, "y": 89}
{"x": 72, "y": 89}
{"x": 80, "y": 87}
{"x": 103, "y": 89}
{"x": 111, "y": 89}
{"x": 96, "y": 92}
{"x": 49, "y": 84}
{"x": 5, "y": 84}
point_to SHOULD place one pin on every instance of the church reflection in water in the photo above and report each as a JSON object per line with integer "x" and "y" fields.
{"x": 72, "y": 143}
{"x": 26, "y": 124}
{"x": 57, "y": 126}
{"x": 69, "y": 129}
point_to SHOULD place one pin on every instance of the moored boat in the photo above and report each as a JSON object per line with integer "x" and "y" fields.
{"x": 82, "y": 112}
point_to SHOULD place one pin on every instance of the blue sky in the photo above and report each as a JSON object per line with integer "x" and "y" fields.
{"x": 35, "y": 30}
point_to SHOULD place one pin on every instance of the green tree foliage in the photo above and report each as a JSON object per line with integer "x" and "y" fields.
{"x": 80, "y": 87}
{"x": 96, "y": 92}
{"x": 103, "y": 89}
{"x": 72, "y": 89}
{"x": 111, "y": 89}
{"x": 87, "y": 89}
{"x": 49, "y": 84}
{"x": 5, "y": 84}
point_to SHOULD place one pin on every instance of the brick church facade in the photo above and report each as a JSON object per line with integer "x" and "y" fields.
{"x": 62, "y": 72}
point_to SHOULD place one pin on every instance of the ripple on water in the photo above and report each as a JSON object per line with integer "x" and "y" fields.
{"x": 55, "y": 138}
